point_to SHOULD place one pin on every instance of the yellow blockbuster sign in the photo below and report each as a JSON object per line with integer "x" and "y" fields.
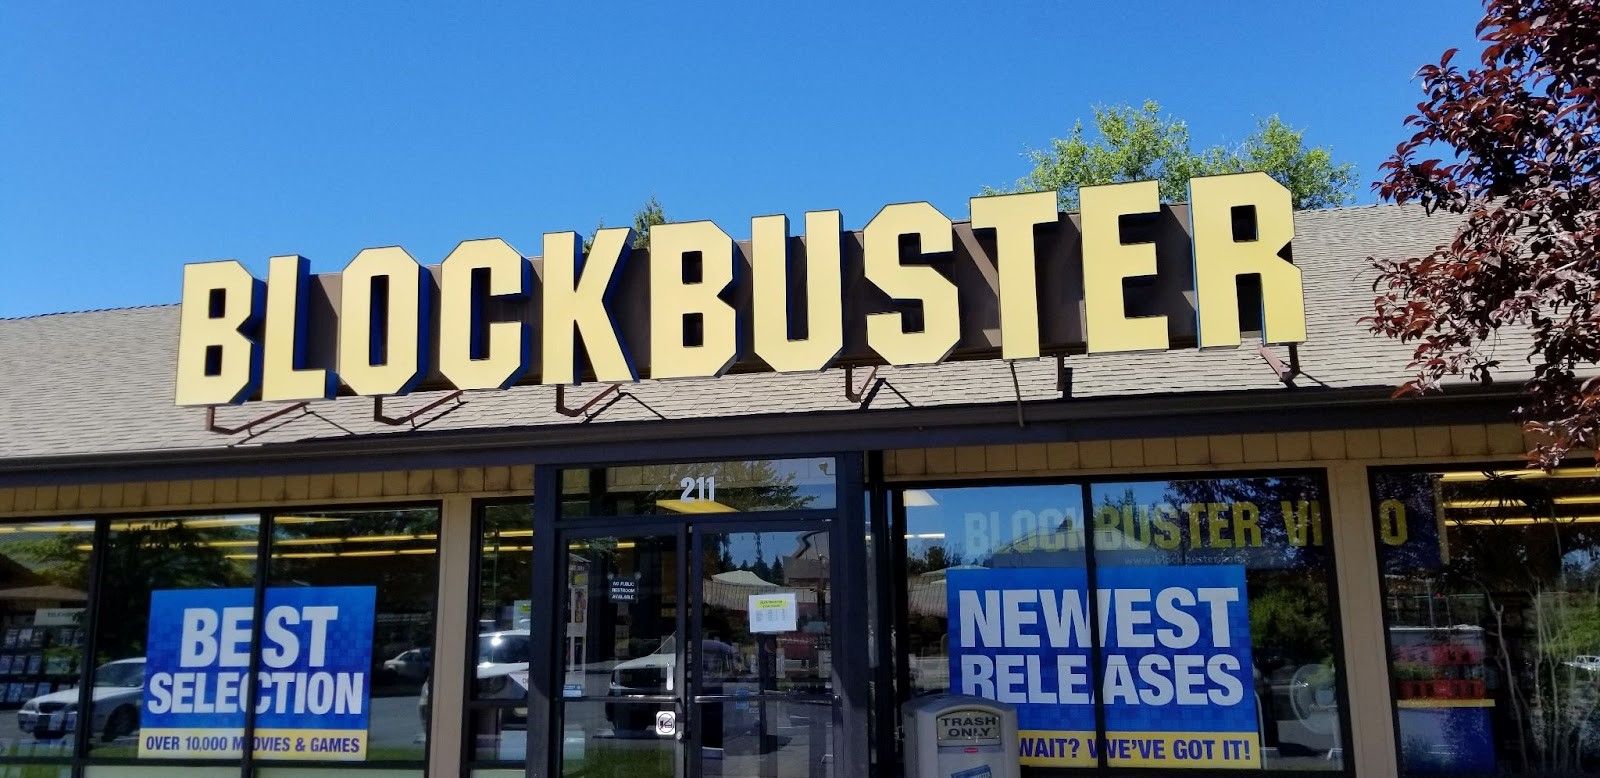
{"x": 1018, "y": 281}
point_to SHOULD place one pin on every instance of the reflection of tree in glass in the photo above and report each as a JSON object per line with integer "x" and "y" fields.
{"x": 1279, "y": 548}
{"x": 405, "y": 583}
{"x": 505, "y": 573}
{"x": 1289, "y": 618}
{"x": 1516, "y": 561}
{"x": 1290, "y": 621}
{"x": 1285, "y": 574}
{"x": 48, "y": 558}
{"x": 937, "y": 557}
{"x": 143, "y": 559}
{"x": 745, "y": 485}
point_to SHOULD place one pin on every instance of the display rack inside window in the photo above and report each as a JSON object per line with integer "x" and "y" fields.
{"x": 1444, "y": 668}
{"x": 44, "y": 582}
{"x": 39, "y": 659}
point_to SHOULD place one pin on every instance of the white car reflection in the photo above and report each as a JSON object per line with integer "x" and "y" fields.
{"x": 412, "y": 664}
{"x": 723, "y": 672}
{"x": 502, "y": 671}
{"x": 118, "y": 689}
{"x": 1586, "y": 662}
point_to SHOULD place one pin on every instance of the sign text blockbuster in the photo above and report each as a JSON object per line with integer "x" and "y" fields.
{"x": 1018, "y": 281}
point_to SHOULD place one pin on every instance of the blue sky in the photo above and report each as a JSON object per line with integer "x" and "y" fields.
{"x": 137, "y": 137}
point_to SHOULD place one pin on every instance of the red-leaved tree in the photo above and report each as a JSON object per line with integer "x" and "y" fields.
{"x": 1511, "y": 145}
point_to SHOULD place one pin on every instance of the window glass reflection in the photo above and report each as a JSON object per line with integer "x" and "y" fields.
{"x": 147, "y": 561}
{"x": 700, "y": 487}
{"x": 1215, "y": 627}
{"x": 955, "y": 530}
{"x": 621, "y": 654}
{"x": 1219, "y": 626}
{"x": 44, "y": 583}
{"x": 1492, "y": 582}
{"x": 497, "y": 697}
{"x": 384, "y": 561}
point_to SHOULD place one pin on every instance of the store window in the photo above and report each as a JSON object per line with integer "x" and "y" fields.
{"x": 187, "y": 655}
{"x": 1199, "y": 608}
{"x": 1253, "y": 661}
{"x": 956, "y": 531}
{"x": 497, "y": 694}
{"x": 365, "y": 582}
{"x": 1492, "y": 603}
{"x": 44, "y": 584}
{"x": 151, "y": 567}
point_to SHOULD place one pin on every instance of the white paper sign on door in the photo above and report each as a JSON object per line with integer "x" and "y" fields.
{"x": 773, "y": 612}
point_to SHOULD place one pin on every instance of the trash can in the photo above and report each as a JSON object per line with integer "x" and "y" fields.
{"x": 957, "y": 736}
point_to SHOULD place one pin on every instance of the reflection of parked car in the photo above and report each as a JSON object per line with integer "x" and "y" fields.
{"x": 502, "y": 670}
{"x": 652, "y": 675}
{"x": 1587, "y": 662}
{"x": 412, "y": 664}
{"x": 118, "y": 688}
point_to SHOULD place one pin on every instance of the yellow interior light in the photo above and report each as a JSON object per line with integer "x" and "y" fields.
{"x": 694, "y": 506}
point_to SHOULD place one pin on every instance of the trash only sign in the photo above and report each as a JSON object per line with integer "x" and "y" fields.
{"x": 1175, "y": 675}
{"x": 313, "y": 688}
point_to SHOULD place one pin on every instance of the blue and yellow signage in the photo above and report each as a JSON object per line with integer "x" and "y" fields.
{"x": 313, "y": 688}
{"x": 1174, "y": 670}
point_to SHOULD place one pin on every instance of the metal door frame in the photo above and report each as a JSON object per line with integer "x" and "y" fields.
{"x": 848, "y": 573}
{"x": 730, "y": 523}
{"x": 602, "y": 529}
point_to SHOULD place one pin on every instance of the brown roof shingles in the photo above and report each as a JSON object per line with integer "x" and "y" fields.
{"x": 100, "y": 382}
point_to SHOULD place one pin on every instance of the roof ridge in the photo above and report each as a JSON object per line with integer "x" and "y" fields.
{"x": 89, "y": 310}
{"x": 1318, "y": 211}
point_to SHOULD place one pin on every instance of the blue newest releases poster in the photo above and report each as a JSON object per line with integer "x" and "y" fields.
{"x": 312, "y": 690}
{"x": 1175, "y": 670}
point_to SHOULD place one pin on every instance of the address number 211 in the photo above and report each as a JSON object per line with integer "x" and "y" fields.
{"x": 698, "y": 488}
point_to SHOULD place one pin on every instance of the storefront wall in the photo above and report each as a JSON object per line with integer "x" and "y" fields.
{"x": 1344, "y": 457}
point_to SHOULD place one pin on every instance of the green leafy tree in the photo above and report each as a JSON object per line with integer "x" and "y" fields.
{"x": 1142, "y": 144}
{"x": 649, "y": 215}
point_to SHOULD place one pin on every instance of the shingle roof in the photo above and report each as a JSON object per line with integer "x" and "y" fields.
{"x": 101, "y": 382}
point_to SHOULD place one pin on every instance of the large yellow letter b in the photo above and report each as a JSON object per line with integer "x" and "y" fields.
{"x": 219, "y": 360}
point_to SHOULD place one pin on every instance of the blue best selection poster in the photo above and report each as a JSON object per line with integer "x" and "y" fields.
{"x": 1176, "y": 673}
{"x": 313, "y": 687}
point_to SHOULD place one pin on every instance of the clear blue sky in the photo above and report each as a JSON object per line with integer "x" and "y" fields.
{"x": 136, "y": 137}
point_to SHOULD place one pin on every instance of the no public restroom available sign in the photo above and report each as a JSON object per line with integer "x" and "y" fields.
{"x": 1175, "y": 670}
{"x": 313, "y": 688}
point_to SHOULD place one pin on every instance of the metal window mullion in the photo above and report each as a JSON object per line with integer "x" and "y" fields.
{"x": 885, "y": 701}
{"x": 548, "y": 576}
{"x": 1092, "y": 593}
{"x": 693, "y": 585}
{"x": 1341, "y": 687}
{"x": 264, "y": 524}
{"x": 899, "y": 601}
{"x": 438, "y": 566}
{"x": 849, "y": 619}
{"x": 91, "y": 634}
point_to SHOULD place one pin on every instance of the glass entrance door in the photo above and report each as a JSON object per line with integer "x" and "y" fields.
{"x": 619, "y": 657}
{"x": 703, "y": 649}
{"x": 762, "y": 688}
